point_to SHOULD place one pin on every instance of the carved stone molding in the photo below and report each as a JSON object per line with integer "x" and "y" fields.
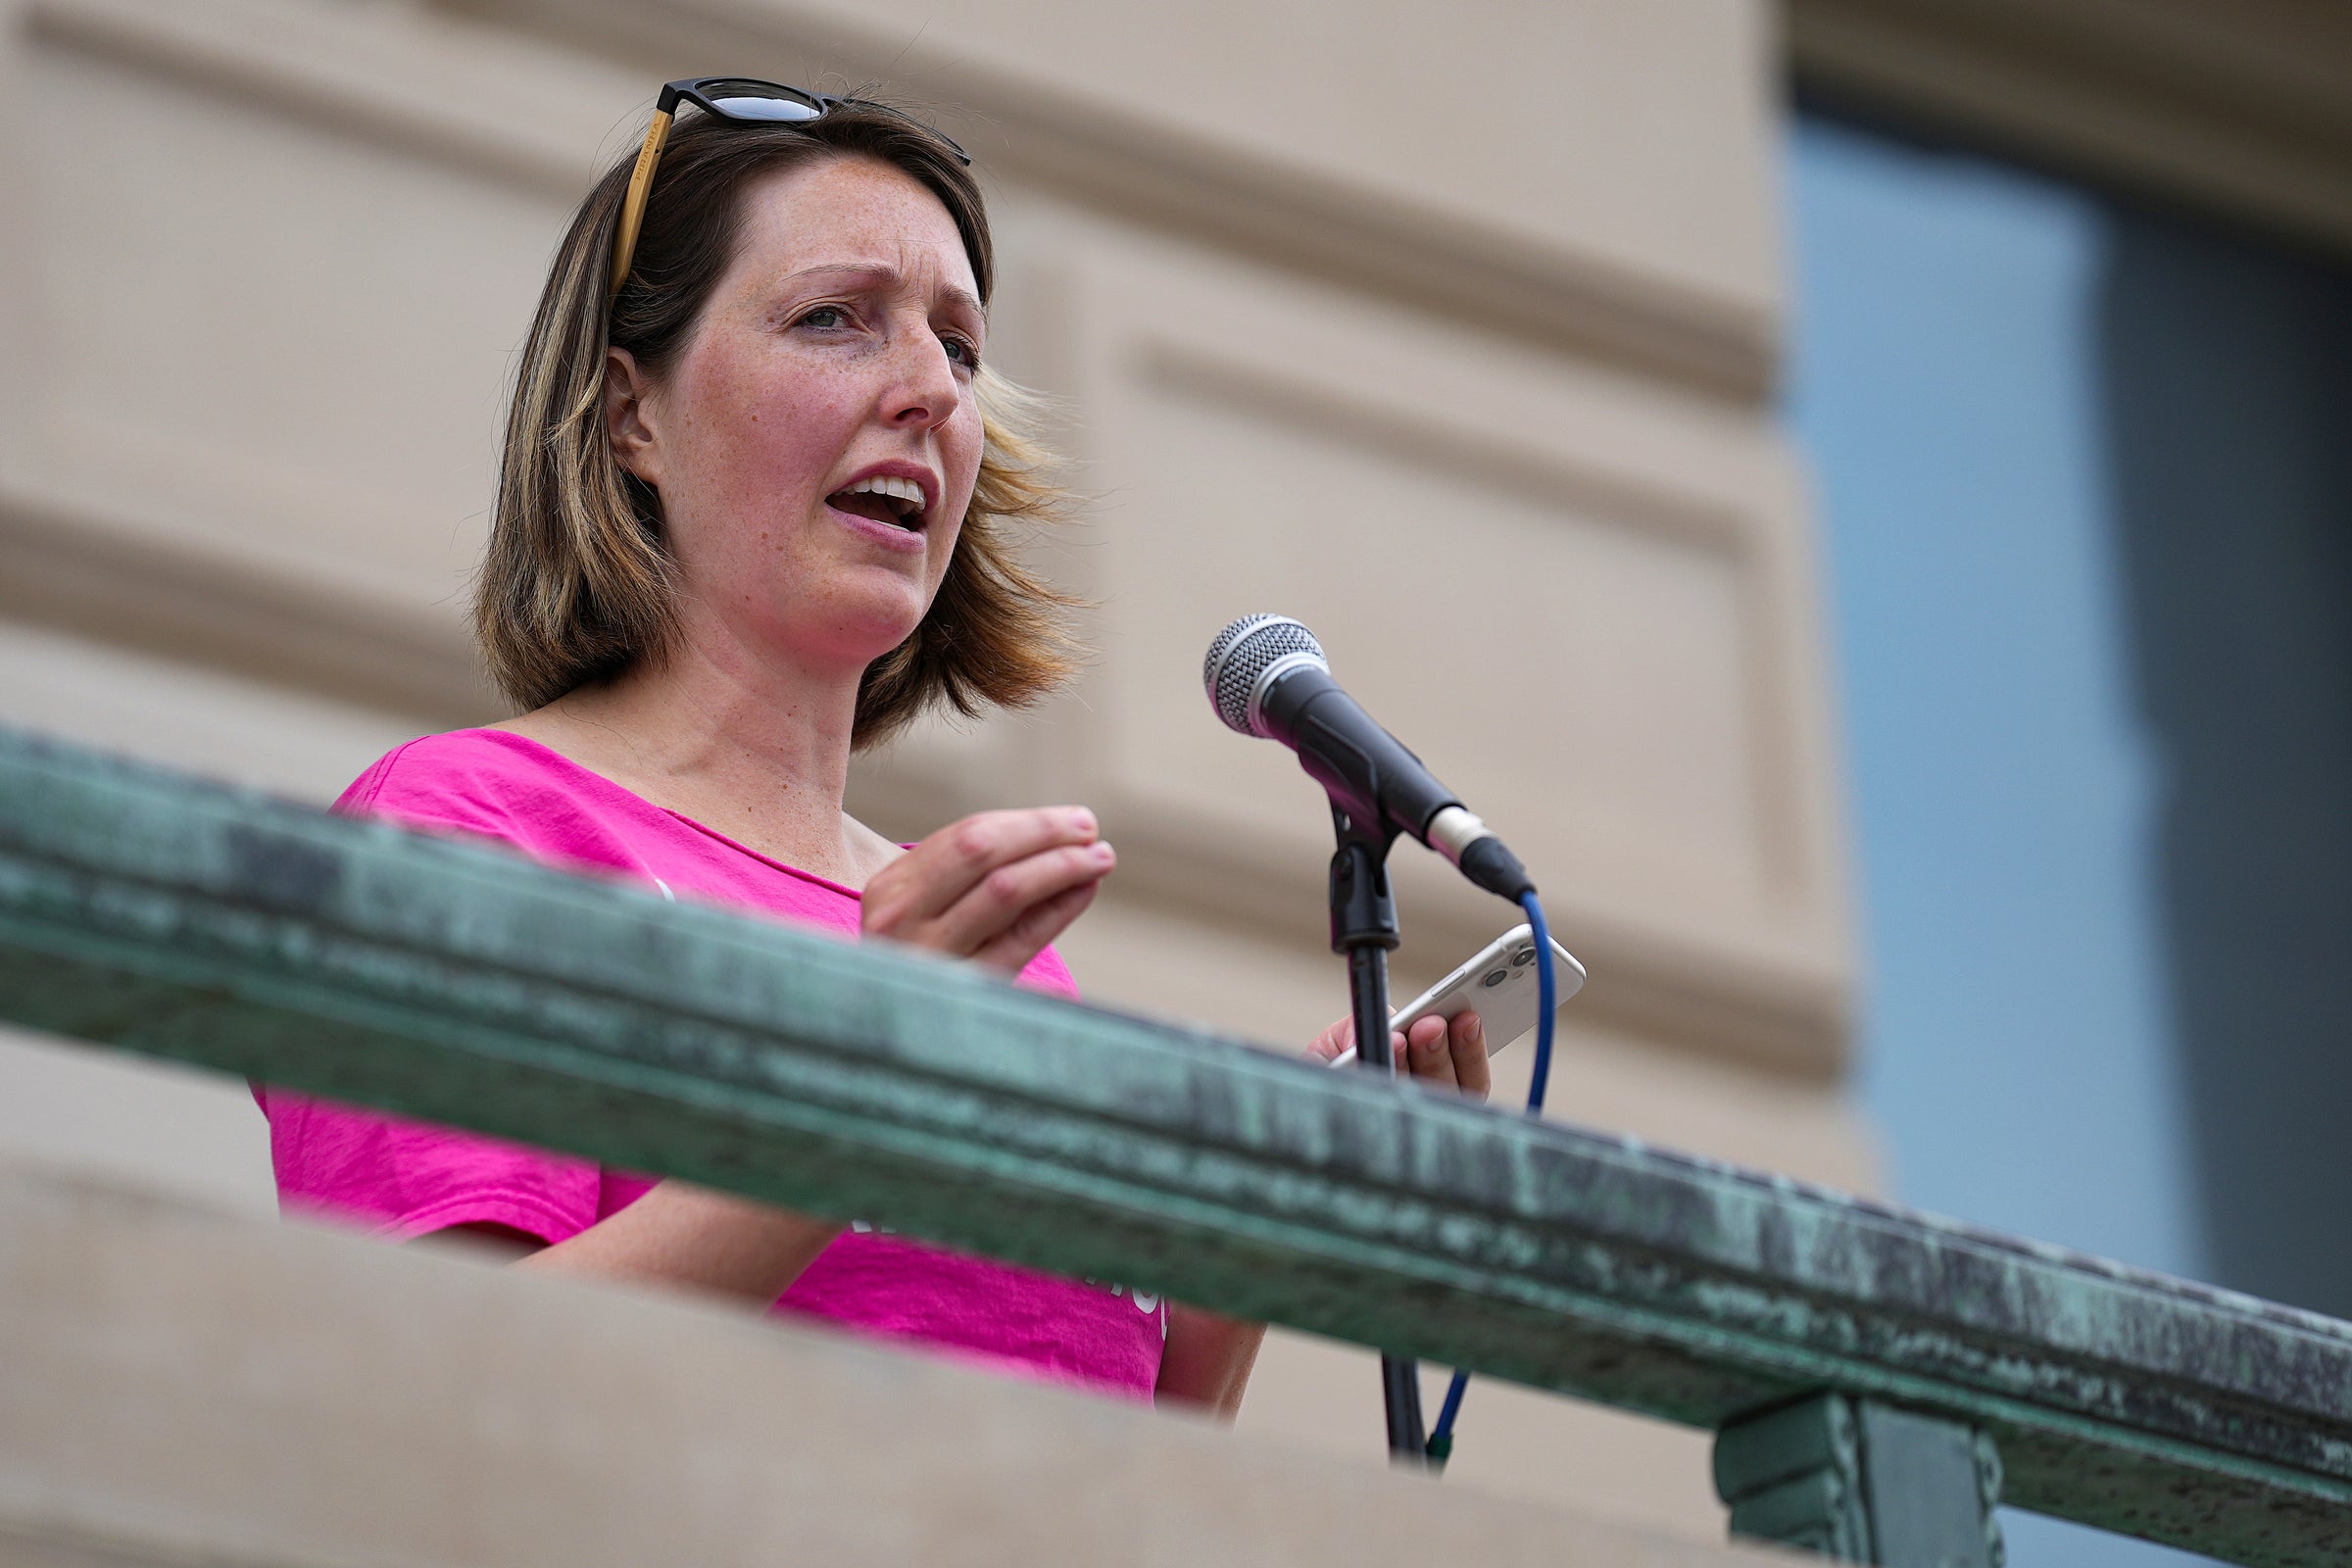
{"x": 83, "y": 572}
{"x": 1154, "y": 164}
{"x": 2243, "y": 109}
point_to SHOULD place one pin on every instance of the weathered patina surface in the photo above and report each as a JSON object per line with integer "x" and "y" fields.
{"x": 145, "y": 910}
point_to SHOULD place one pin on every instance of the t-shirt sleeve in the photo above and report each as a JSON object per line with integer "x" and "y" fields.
{"x": 397, "y": 1177}
{"x": 401, "y": 1178}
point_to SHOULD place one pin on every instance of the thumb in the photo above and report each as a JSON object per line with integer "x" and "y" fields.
{"x": 1333, "y": 1040}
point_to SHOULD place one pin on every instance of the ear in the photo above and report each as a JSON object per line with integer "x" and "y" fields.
{"x": 629, "y": 422}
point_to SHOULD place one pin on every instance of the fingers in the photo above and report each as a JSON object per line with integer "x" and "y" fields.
{"x": 1334, "y": 1042}
{"x": 996, "y": 887}
{"x": 1434, "y": 1053}
{"x": 1466, "y": 1044}
{"x": 1036, "y": 926}
{"x": 1338, "y": 1039}
{"x": 933, "y": 876}
{"x": 1008, "y": 896}
{"x": 1424, "y": 1053}
{"x": 1441, "y": 1054}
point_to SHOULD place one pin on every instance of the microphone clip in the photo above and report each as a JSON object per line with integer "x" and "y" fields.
{"x": 1363, "y": 910}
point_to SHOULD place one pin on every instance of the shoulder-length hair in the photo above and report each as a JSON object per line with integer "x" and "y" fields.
{"x": 577, "y": 584}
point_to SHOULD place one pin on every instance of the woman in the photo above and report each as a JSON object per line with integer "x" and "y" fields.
{"x": 751, "y": 517}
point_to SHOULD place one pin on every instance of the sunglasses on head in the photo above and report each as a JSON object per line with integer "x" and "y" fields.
{"x": 739, "y": 98}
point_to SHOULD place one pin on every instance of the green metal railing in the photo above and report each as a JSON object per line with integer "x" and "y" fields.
{"x": 1877, "y": 1378}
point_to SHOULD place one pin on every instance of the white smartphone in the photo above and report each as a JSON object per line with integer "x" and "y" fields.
{"x": 1500, "y": 983}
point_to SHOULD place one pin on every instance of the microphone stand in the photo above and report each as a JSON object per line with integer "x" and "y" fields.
{"x": 1363, "y": 926}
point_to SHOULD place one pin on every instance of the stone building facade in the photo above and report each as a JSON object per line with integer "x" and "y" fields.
{"x": 1452, "y": 330}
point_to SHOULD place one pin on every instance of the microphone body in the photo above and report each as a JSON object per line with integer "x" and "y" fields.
{"x": 1366, "y": 770}
{"x": 1266, "y": 675}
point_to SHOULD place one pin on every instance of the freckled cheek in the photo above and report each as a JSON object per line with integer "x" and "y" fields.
{"x": 782, "y": 430}
{"x": 783, "y": 453}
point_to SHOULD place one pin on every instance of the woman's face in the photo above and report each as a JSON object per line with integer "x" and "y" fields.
{"x": 816, "y": 442}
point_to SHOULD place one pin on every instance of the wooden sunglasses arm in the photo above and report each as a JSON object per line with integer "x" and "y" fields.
{"x": 632, "y": 206}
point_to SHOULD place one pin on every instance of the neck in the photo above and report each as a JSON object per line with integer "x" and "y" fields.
{"x": 756, "y": 748}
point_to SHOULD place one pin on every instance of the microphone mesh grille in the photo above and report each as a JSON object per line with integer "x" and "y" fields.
{"x": 1242, "y": 653}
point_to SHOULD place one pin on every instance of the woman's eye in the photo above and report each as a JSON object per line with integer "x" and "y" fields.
{"x": 826, "y": 317}
{"x": 961, "y": 352}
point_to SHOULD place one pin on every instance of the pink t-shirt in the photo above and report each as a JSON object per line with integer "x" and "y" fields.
{"x": 404, "y": 1178}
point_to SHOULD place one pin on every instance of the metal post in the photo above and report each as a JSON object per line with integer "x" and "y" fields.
{"x": 1363, "y": 926}
{"x": 1858, "y": 1481}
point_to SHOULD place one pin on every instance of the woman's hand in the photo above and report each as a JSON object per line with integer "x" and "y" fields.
{"x": 996, "y": 887}
{"x": 1434, "y": 1053}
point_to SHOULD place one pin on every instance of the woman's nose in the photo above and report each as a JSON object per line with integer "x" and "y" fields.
{"x": 926, "y": 391}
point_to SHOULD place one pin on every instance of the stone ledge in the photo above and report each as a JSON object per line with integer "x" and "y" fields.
{"x": 189, "y": 1386}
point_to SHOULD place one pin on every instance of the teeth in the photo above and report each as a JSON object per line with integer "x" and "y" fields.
{"x": 904, "y": 492}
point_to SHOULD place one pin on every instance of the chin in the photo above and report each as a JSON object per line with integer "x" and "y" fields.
{"x": 876, "y": 625}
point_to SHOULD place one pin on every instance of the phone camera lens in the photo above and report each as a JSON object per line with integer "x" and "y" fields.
{"x": 1525, "y": 956}
{"x": 1498, "y": 977}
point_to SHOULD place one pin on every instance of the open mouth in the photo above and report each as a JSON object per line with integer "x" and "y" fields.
{"x": 884, "y": 499}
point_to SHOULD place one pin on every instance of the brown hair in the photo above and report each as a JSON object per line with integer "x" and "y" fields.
{"x": 576, "y": 583}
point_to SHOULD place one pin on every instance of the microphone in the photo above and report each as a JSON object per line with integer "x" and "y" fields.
{"x": 1266, "y": 675}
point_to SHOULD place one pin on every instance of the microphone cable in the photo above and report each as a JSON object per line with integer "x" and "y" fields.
{"x": 1439, "y": 1447}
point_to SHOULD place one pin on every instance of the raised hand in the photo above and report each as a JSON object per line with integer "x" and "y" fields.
{"x": 996, "y": 887}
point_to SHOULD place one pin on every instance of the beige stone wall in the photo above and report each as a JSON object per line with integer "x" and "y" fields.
{"x": 190, "y": 1388}
{"x": 1449, "y": 330}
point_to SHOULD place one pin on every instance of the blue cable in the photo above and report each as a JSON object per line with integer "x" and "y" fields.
{"x": 1440, "y": 1436}
{"x": 1548, "y": 988}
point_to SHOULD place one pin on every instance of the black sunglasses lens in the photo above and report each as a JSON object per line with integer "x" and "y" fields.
{"x": 760, "y": 100}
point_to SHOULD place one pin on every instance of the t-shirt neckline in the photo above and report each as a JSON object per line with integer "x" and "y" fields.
{"x": 541, "y": 748}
